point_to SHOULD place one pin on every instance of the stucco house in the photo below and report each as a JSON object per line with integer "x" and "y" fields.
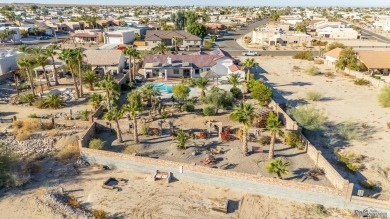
{"x": 105, "y": 60}
{"x": 185, "y": 39}
{"x": 119, "y": 37}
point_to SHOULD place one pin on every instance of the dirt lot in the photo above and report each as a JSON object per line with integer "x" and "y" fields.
{"x": 342, "y": 101}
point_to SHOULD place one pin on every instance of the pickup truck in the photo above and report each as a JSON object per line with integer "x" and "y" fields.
{"x": 249, "y": 53}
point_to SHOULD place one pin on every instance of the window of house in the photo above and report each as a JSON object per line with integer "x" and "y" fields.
{"x": 175, "y": 71}
{"x": 154, "y": 41}
{"x": 285, "y": 42}
{"x": 295, "y": 41}
{"x": 197, "y": 71}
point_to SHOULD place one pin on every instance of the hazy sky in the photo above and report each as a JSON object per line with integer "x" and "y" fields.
{"x": 352, "y": 3}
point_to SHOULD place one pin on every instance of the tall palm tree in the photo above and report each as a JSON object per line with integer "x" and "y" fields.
{"x": 248, "y": 63}
{"x": 79, "y": 55}
{"x": 274, "y": 126}
{"x": 50, "y": 51}
{"x": 202, "y": 84}
{"x": 42, "y": 61}
{"x": 96, "y": 100}
{"x": 70, "y": 60}
{"x": 129, "y": 51}
{"x": 278, "y": 167}
{"x": 161, "y": 48}
{"x": 244, "y": 114}
{"x": 134, "y": 106}
{"x": 109, "y": 85}
{"x": 234, "y": 79}
{"x": 23, "y": 48}
{"x": 90, "y": 78}
{"x": 135, "y": 54}
{"x": 27, "y": 63}
{"x": 115, "y": 115}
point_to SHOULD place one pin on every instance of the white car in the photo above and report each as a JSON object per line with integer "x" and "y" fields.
{"x": 249, "y": 53}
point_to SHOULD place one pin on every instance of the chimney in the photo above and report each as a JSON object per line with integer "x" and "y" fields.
{"x": 169, "y": 60}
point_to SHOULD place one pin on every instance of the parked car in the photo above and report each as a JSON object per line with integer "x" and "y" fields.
{"x": 249, "y": 53}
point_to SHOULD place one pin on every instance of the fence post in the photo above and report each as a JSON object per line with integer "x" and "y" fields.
{"x": 348, "y": 190}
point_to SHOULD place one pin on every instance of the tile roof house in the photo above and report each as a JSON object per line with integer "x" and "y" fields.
{"x": 375, "y": 61}
{"x": 188, "y": 66}
{"x": 186, "y": 40}
{"x": 333, "y": 55}
{"x": 105, "y": 60}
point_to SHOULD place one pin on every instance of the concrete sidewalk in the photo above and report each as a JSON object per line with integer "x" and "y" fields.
{"x": 327, "y": 200}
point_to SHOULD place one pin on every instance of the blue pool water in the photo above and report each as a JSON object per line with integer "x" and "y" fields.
{"x": 163, "y": 87}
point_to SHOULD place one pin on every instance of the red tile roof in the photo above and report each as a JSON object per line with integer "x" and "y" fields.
{"x": 234, "y": 68}
{"x": 334, "y": 53}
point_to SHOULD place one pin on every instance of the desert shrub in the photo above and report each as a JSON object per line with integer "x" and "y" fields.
{"x": 8, "y": 163}
{"x": 312, "y": 71}
{"x": 219, "y": 99}
{"x": 96, "y": 144}
{"x": 265, "y": 140}
{"x": 72, "y": 201}
{"x": 85, "y": 115}
{"x": 361, "y": 81}
{"x": 144, "y": 130}
{"x": 190, "y": 82}
{"x": 53, "y": 133}
{"x": 24, "y": 86}
{"x": 131, "y": 149}
{"x": 32, "y": 115}
{"x": 27, "y": 98}
{"x": 388, "y": 125}
{"x": 309, "y": 117}
{"x": 384, "y": 97}
{"x": 335, "y": 45}
{"x": 22, "y": 129}
{"x": 236, "y": 92}
{"x": 313, "y": 95}
{"x": 348, "y": 130}
{"x": 305, "y": 55}
{"x": 99, "y": 214}
{"x": 22, "y": 135}
{"x": 350, "y": 160}
{"x": 294, "y": 140}
{"x": 53, "y": 101}
{"x": 319, "y": 61}
{"x": 207, "y": 44}
{"x": 209, "y": 111}
{"x": 318, "y": 210}
{"x": 313, "y": 173}
{"x": 40, "y": 104}
{"x": 190, "y": 107}
{"x": 329, "y": 74}
{"x": 295, "y": 68}
{"x": 367, "y": 184}
{"x": 68, "y": 152}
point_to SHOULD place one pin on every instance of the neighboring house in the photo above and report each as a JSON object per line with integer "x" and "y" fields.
{"x": 214, "y": 28}
{"x": 338, "y": 33}
{"x": 140, "y": 30}
{"x": 15, "y": 37}
{"x": 375, "y": 61}
{"x": 8, "y": 63}
{"x": 278, "y": 36}
{"x": 119, "y": 37}
{"x": 185, "y": 39}
{"x": 88, "y": 36}
{"x": 382, "y": 24}
{"x": 187, "y": 66}
{"x": 290, "y": 19}
{"x": 105, "y": 60}
{"x": 333, "y": 55}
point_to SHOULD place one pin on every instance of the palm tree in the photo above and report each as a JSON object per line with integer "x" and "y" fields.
{"x": 68, "y": 56}
{"x": 53, "y": 101}
{"x": 134, "y": 107}
{"x": 27, "y": 63}
{"x": 90, "y": 78}
{"x": 274, "y": 126}
{"x": 51, "y": 52}
{"x": 248, "y": 63}
{"x": 148, "y": 92}
{"x": 135, "y": 54}
{"x": 181, "y": 139}
{"x": 244, "y": 114}
{"x": 115, "y": 115}
{"x": 79, "y": 55}
{"x": 28, "y": 98}
{"x": 129, "y": 51}
{"x": 109, "y": 85}
{"x": 234, "y": 79}
{"x": 278, "y": 167}
{"x": 23, "y": 48}
{"x": 42, "y": 61}
{"x": 96, "y": 100}
{"x": 161, "y": 48}
{"x": 202, "y": 84}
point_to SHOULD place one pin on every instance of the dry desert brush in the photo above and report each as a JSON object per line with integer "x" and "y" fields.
{"x": 384, "y": 97}
{"x": 314, "y": 95}
{"x": 309, "y": 117}
{"x": 312, "y": 71}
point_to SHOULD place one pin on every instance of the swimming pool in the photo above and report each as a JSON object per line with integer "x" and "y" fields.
{"x": 163, "y": 87}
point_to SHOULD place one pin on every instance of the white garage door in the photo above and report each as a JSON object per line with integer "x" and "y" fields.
{"x": 115, "y": 40}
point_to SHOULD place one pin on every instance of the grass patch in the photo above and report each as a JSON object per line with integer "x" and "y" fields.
{"x": 314, "y": 95}
{"x": 304, "y": 55}
{"x": 312, "y": 71}
{"x": 348, "y": 131}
